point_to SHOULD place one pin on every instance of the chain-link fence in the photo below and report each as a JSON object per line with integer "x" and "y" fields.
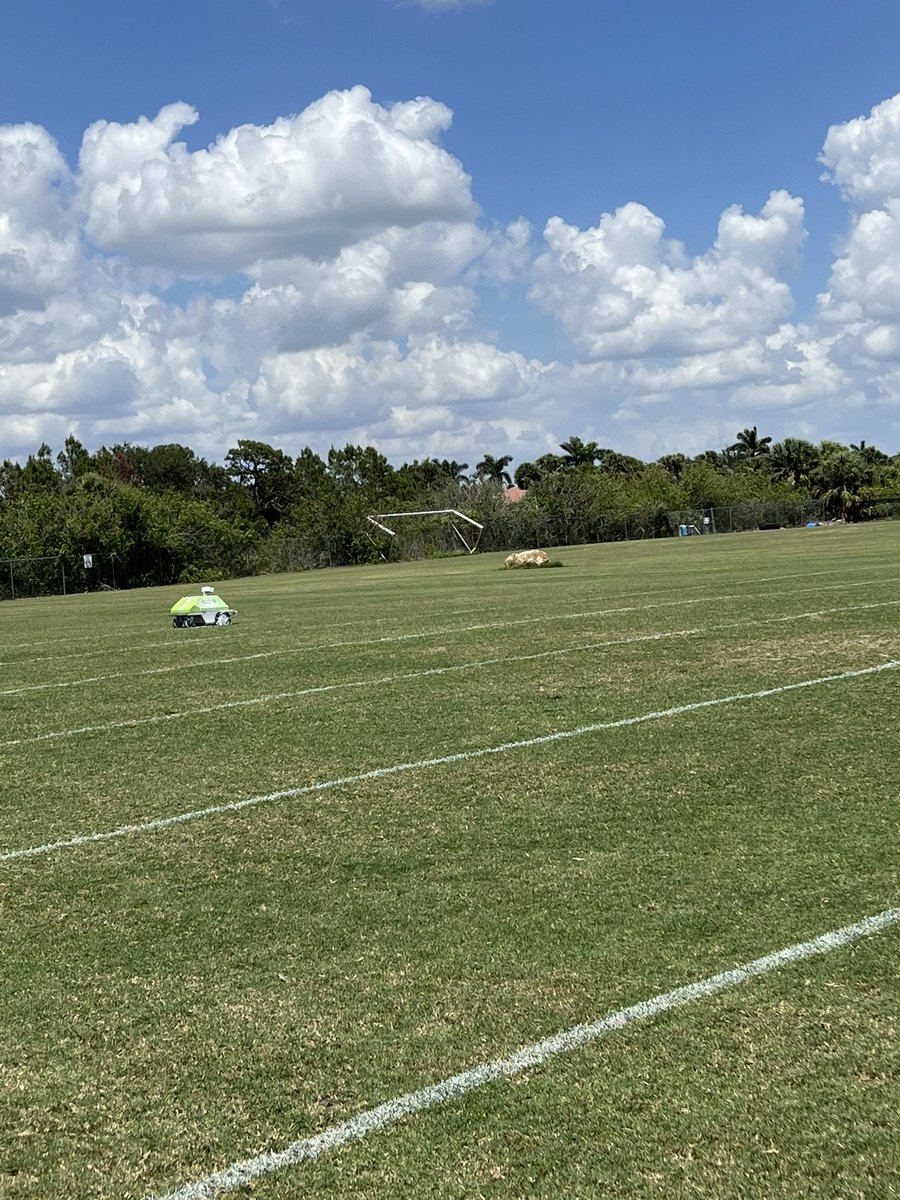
{"x": 511, "y": 527}
{"x": 750, "y": 515}
{"x": 885, "y": 509}
{"x": 56, "y": 575}
{"x": 277, "y": 555}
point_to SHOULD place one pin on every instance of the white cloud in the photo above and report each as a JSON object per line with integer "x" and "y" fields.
{"x": 355, "y": 263}
{"x": 356, "y": 385}
{"x": 623, "y": 290}
{"x": 39, "y": 250}
{"x": 862, "y": 156}
{"x": 508, "y": 255}
{"x": 860, "y": 308}
{"x": 341, "y": 171}
{"x": 865, "y": 278}
{"x": 365, "y": 231}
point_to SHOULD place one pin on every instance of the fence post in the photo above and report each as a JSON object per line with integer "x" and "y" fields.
{"x": 12, "y": 580}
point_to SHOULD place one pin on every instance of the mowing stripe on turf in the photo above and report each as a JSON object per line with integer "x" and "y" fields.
{"x": 324, "y": 688}
{"x": 309, "y": 1149}
{"x": 409, "y": 637}
{"x": 155, "y": 823}
{"x": 95, "y": 637}
{"x": 405, "y": 676}
{"x": 172, "y": 641}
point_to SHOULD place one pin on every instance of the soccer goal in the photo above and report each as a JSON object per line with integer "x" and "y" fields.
{"x": 454, "y": 520}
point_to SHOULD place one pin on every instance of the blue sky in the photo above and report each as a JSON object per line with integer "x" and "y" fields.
{"x": 390, "y": 290}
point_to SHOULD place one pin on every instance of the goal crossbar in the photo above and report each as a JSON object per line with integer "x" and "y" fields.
{"x": 378, "y": 519}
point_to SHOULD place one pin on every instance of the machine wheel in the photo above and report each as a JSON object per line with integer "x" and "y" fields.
{"x": 224, "y": 619}
{"x": 177, "y": 622}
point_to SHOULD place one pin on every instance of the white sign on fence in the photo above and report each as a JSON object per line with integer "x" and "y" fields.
{"x": 89, "y": 560}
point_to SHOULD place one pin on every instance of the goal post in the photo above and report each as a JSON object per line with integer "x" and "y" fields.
{"x": 455, "y": 518}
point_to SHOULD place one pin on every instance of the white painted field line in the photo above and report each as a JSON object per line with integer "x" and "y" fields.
{"x": 173, "y": 640}
{"x": 408, "y": 637}
{"x": 156, "y": 823}
{"x": 405, "y": 676}
{"x": 309, "y": 1149}
{"x": 180, "y": 640}
{"x": 608, "y": 577}
{"x": 125, "y": 648}
{"x": 336, "y": 687}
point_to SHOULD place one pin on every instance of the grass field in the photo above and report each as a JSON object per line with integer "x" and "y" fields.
{"x": 179, "y": 995}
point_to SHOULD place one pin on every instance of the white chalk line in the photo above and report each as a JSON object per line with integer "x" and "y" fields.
{"x": 408, "y": 637}
{"x": 173, "y": 641}
{"x": 273, "y": 697}
{"x": 127, "y": 648}
{"x": 176, "y": 641}
{"x": 406, "y": 676}
{"x": 309, "y": 1149}
{"x": 182, "y": 641}
{"x": 156, "y": 823}
{"x": 456, "y": 612}
{"x": 608, "y": 578}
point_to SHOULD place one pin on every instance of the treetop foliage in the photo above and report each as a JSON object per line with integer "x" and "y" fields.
{"x": 168, "y": 515}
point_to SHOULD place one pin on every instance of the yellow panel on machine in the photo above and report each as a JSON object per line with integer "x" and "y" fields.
{"x": 205, "y": 609}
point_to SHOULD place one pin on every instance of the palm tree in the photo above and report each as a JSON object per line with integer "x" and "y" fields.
{"x": 625, "y": 466}
{"x": 527, "y": 474}
{"x": 581, "y": 454}
{"x": 550, "y": 464}
{"x": 793, "y": 460}
{"x": 493, "y": 470}
{"x": 749, "y": 444}
{"x": 673, "y": 463}
{"x": 840, "y": 483}
{"x": 871, "y": 454}
{"x": 456, "y": 470}
{"x": 717, "y": 458}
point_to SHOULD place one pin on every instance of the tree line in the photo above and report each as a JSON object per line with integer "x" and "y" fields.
{"x": 162, "y": 514}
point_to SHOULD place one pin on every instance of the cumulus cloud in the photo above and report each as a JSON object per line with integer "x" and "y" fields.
{"x": 864, "y": 282}
{"x": 340, "y": 171}
{"x": 39, "y": 248}
{"x": 355, "y": 385}
{"x": 330, "y": 268}
{"x": 622, "y": 289}
{"x": 862, "y": 156}
{"x": 508, "y": 254}
{"x": 861, "y": 304}
{"x": 348, "y": 221}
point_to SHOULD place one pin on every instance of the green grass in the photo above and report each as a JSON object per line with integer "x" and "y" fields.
{"x": 176, "y": 1000}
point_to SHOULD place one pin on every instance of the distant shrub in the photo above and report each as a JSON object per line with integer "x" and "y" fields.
{"x": 192, "y": 574}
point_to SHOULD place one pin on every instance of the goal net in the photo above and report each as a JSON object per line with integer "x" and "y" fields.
{"x": 466, "y": 531}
